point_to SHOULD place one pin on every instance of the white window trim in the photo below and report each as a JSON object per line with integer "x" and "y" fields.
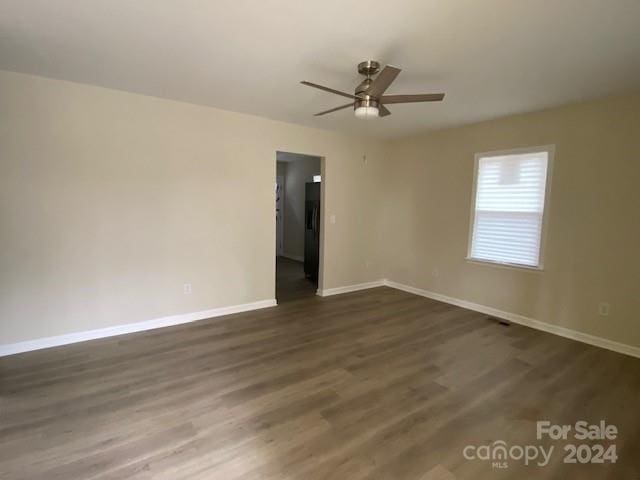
{"x": 551, "y": 150}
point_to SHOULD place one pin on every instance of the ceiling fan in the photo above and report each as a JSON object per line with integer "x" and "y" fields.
{"x": 369, "y": 100}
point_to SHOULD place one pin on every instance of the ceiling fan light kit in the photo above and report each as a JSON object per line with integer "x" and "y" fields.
{"x": 367, "y": 112}
{"x": 367, "y": 108}
{"x": 368, "y": 99}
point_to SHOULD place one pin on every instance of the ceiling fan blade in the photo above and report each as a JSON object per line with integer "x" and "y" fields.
{"x": 330, "y": 90}
{"x": 383, "y": 80}
{"x": 334, "y": 109}
{"x": 384, "y": 111}
{"x": 426, "y": 97}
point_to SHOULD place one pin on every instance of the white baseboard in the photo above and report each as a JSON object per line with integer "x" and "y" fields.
{"x": 297, "y": 258}
{"x": 48, "y": 342}
{"x": 349, "y": 288}
{"x": 522, "y": 320}
{"x": 37, "y": 344}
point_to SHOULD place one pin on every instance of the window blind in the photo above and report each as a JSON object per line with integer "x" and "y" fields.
{"x": 509, "y": 208}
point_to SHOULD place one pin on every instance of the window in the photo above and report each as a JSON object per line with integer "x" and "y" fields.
{"x": 508, "y": 207}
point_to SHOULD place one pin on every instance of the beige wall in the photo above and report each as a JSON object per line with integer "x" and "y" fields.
{"x": 593, "y": 231}
{"x": 111, "y": 201}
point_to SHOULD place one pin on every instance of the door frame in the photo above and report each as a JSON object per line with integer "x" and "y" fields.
{"x": 280, "y": 226}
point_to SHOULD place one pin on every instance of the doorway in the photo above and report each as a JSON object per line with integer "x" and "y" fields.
{"x": 298, "y": 225}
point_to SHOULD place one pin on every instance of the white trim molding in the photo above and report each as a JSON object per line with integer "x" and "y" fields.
{"x": 350, "y": 288}
{"x": 66, "y": 339}
{"x": 522, "y": 320}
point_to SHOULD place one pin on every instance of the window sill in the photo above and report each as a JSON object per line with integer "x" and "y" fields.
{"x": 510, "y": 266}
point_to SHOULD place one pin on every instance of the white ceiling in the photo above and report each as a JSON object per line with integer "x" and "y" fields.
{"x": 491, "y": 57}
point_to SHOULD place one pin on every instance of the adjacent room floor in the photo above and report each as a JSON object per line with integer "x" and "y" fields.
{"x": 376, "y": 384}
{"x": 291, "y": 283}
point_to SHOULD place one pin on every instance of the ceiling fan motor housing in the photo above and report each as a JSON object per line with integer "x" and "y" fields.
{"x": 362, "y": 88}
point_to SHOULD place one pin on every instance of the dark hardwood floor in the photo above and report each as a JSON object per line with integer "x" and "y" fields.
{"x": 291, "y": 283}
{"x": 378, "y": 384}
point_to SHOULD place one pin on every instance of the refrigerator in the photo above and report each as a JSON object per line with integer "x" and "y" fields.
{"x": 312, "y": 230}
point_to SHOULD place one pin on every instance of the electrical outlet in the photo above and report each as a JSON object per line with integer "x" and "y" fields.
{"x": 187, "y": 288}
{"x": 435, "y": 272}
{"x": 368, "y": 263}
{"x": 603, "y": 309}
{"x": 332, "y": 218}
